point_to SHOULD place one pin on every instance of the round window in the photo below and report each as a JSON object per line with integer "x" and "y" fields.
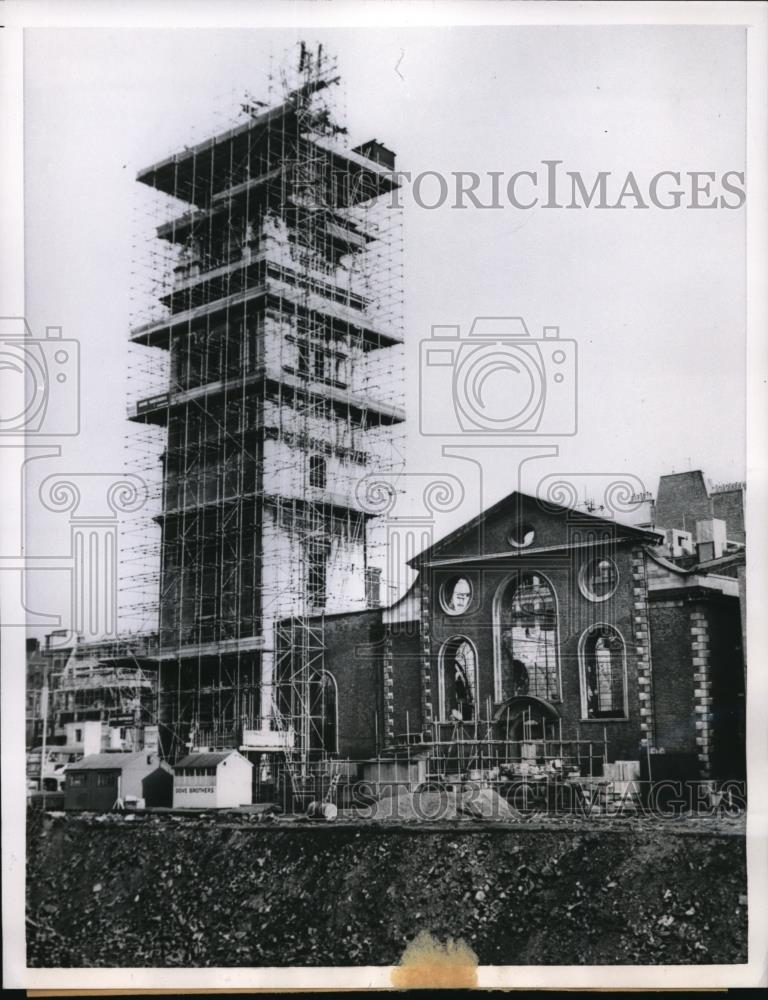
{"x": 456, "y": 595}
{"x": 521, "y": 535}
{"x": 599, "y": 578}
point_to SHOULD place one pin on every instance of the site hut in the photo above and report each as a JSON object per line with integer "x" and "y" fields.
{"x": 212, "y": 781}
{"x": 103, "y": 781}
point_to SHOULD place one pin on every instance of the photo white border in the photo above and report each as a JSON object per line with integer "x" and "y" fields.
{"x": 21, "y": 14}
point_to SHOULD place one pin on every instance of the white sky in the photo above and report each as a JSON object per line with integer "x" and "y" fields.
{"x": 655, "y": 299}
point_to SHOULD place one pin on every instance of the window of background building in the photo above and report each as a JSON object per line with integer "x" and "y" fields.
{"x": 457, "y": 682}
{"x": 319, "y": 361}
{"x": 598, "y": 578}
{"x": 318, "y": 553}
{"x": 341, "y": 366}
{"x": 603, "y": 673}
{"x": 302, "y": 357}
{"x": 521, "y": 535}
{"x": 527, "y": 626}
{"x": 456, "y": 595}
{"x": 324, "y": 713}
{"x": 317, "y": 471}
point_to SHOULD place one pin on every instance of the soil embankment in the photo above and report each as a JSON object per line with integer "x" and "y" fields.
{"x": 165, "y": 891}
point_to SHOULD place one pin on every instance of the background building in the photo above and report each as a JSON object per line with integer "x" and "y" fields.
{"x": 536, "y": 624}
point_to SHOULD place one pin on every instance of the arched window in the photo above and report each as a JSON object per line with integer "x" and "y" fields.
{"x": 602, "y": 663}
{"x": 324, "y": 713}
{"x": 457, "y": 680}
{"x": 525, "y": 622}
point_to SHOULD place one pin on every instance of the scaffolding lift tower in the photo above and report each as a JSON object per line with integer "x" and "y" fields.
{"x": 267, "y": 385}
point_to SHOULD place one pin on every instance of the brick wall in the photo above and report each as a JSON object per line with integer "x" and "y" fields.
{"x": 626, "y": 611}
{"x": 702, "y": 691}
{"x": 682, "y": 501}
{"x": 673, "y": 675}
{"x": 729, "y": 507}
{"x": 379, "y": 678}
{"x": 642, "y": 645}
{"x": 407, "y": 674}
{"x": 354, "y": 654}
{"x": 698, "y": 679}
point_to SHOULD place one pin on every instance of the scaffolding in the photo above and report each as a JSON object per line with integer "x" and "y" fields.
{"x": 111, "y": 681}
{"x": 266, "y": 381}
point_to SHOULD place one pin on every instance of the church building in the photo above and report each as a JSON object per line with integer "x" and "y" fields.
{"x": 546, "y": 622}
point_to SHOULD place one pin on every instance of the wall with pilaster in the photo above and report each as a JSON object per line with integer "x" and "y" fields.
{"x": 642, "y": 643}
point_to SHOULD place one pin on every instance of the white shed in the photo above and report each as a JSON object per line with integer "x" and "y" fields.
{"x": 220, "y": 780}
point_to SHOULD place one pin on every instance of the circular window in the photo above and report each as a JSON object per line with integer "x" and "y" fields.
{"x": 521, "y": 535}
{"x": 456, "y": 595}
{"x": 598, "y": 579}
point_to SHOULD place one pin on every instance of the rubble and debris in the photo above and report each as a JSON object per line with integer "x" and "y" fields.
{"x": 195, "y": 892}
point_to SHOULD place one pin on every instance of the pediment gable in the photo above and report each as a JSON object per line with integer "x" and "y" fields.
{"x": 521, "y": 524}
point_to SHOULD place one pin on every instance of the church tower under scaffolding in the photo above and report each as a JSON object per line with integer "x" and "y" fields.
{"x": 277, "y": 353}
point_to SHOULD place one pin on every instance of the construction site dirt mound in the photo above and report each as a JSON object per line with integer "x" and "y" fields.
{"x": 171, "y": 891}
{"x": 485, "y": 803}
{"x": 429, "y": 805}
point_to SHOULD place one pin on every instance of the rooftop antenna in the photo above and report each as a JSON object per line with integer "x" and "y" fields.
{"x": 589, "y": 505}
